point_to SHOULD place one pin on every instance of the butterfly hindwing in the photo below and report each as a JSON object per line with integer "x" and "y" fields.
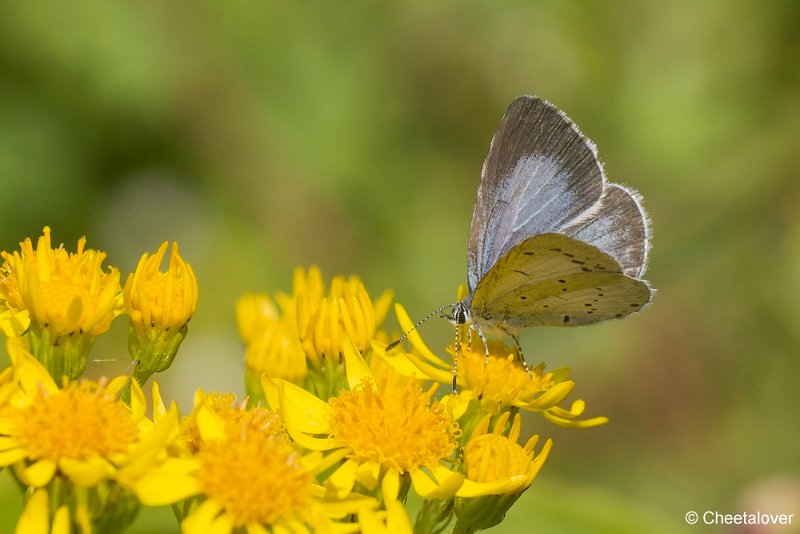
{"x": 618, "y": 226}
{"x": 554, "y": 280}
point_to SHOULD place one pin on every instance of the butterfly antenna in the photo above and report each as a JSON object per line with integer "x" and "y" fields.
{"x": 402, "y": 338}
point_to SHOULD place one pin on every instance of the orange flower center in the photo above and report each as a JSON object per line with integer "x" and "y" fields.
{"x": 396, "y": 425}
{"x": 77, "y": 422}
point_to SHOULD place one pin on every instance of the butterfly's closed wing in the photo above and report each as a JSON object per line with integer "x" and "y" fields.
{"x": 555, "y": 280}
{"x": 540, "y": 175}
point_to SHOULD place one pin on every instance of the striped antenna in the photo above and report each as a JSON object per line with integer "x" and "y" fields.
{"x": 402, "y": 338}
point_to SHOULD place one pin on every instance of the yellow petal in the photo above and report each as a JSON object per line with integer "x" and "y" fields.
{"x": 210, "y": 424}
{"x": 349, "y": 505}
{"x": 341, "y": 482}
{"x": 151, "y": 446}
{"x": 477, "y": 489}
{"x": 33, "y": 289}
{"x": 199, "y": 521}
{"x": 445, "y": 485}
{"x": 390, "y": 485}
{"x": 256, "y": 528}
{"x": 356, "y": 368}
{"x": 61, "y": 521}
{"x": 458, "y": 403}
{"x": 6, "y": 442}
{"x": 12, "y": 456}
{"x": 397, "y": 521}
{"x": 35, "y": 518}
{"x": 74, "y": 314}
{"x": 413, "y": 336}
{"x": 368, "y": 473}
{"x": 316, "y": 463}
{"x": 571, "y": 423}
{"x": 551, "y": 397}
{"x": 398, "y": 360}
{"x": 538, "y": 462}
{"x": 302, "y": 410}
{"x": 138, "y": 403}
{"x": 39, "y": 473}
{"x": 82, "y": 520}
{"x": 370, "y": 522}
{"x": 14, "y": 324}
{"x": 222, "y": 524}
{"x": 31, "y": 375}
{"x": 308, "y": 442}
{"x": 168, "y": 483}
{"x": 159, "y": 409}
{"x": 115, "y": 386}
{"x": 86, "y": 473}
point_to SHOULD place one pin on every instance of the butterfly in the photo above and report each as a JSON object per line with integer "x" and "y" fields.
{"x": 552, "y": 242}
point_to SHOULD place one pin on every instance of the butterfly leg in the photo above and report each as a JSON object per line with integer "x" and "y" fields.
{"x": 456, "y": 351}
{"x": 519, "y": 353}
{"x": 483, "y": 340}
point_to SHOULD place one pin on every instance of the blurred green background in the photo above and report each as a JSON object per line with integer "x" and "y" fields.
{"x": 265, "y": 135}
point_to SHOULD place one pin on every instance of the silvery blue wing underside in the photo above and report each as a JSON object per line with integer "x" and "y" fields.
{"x": 543, "y": 176}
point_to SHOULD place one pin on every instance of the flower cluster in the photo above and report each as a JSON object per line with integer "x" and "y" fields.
{"x": 387, "y": 424}
{"x": 334, "y": 434}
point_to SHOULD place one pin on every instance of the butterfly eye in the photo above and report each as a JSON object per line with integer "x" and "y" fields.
{"x": 460, "y": 314}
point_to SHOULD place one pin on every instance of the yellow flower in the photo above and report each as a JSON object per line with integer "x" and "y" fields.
{"x": 159, "y": 305}
{"x": 498, "y": 471}
{"x": 154, "y": 299}
{"x": 229, "y": 414}
{"x": 325, "y": 320}
{"x": 502, "y": 384}
{"x": 63, "y": 299}
{"x": 495, "y": 463}
{"x": 310, "y": 325}
{"x": 386, "y": 428}
{"x": 272, "y": 344}
{"x": 254, "y": 479}
{"x": 243, "y": 475}
{"x": 79, "y": 437}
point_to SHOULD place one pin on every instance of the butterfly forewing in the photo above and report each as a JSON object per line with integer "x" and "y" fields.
{"x": 554, "y": 280}
{"x": 539, "y": 176}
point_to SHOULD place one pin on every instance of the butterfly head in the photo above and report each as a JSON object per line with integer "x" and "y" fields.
{"x": 459, "y": 313}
